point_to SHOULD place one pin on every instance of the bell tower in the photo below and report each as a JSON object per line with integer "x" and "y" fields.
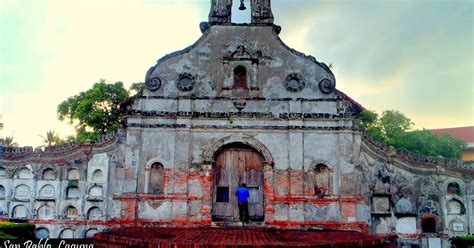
{"x": 221, "y": 11}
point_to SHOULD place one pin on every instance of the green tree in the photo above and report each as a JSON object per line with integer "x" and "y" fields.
{"x": 8, "y": 141}
{"x": 51, "y": 138}
{"x": 394, "y": 125}
{"x": 95, "y": 111}
{"x": 369, "y": 122}
{"x": 137, "y": 87}
{"x": 394, "y": 128}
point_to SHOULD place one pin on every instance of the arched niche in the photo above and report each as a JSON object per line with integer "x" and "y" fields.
{"x": 429, "y": 224}
{"x": 20, "y": 212}
{"x": 240, "y": 77}
{"x": 71, "y": 212}
{"x": 72, "y": 192}
{"x": 156, "y": 179}
{"x": 22, "y": 191}
{"x": 23, "y": 173}
{"x": 45, "y": 212}
{"x": 3, "y": 172}
{"x": 49, "y": 174}
{"x": 90, "y": 233}
{"x": 210, "y": 151}
{"x": 319, "y": 179}
{"x": 453, "y": 188}
{"x": 46, "y": 192}
{"x": 66, "y": 233}
{"x": 42, "y": 233}
{"x": 95, "y": 191}
{"x": 73, "y": 174}
{"x": 94, "y": 213}
{"x": 98, "y": 176}
{"x": 455, "y": 207}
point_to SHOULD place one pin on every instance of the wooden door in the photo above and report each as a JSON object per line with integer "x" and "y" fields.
{"x": 236, "y": 165}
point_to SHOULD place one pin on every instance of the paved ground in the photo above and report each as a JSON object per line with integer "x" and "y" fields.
{"x": 233, "y": 237}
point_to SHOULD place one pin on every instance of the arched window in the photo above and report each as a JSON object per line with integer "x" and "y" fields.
{"x": 240, "y": 77}
{"x": 46, "y": 191}
{"x": 2, "y": 191}
{"x": 71, "y": 212}
{"x": 73, "y": 174}
{"x": 428, "y": 225}
{"x": 3, "y": 172}
{"x": 49, "y": 174}
{"x": 42, "y": 233}
{"x": 66, "y": 234}
{"x": 72, "y": 192}
{"x": 24, "y": 173}
{"x": 97, "y": 176}
{"x": 95, "y": 192}
{"x": 321, "y": 180}
{"x": 45, "y": 213}
{"x": 156, "y": 179}
{"x": 22, "y": 191}
{"x": 453, "y": 188}
{"x": 94, "y": 213}
{"x": 20, "y": 212}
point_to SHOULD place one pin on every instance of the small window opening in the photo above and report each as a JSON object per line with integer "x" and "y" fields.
{"x": 222, "y": 194}
{"x": 240, "y": 78}
{"x": 241, "y": 12}
{"x": 428, "y": 225}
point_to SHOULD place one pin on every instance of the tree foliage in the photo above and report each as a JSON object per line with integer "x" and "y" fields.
{"x": 394, "y": 128}
{"x": 51, "y": 138}
{"x": 95, "y": 111}
{"x": 7, "y": 141}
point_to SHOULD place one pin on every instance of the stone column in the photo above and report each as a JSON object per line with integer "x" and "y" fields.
{"x": 269, "y": 207}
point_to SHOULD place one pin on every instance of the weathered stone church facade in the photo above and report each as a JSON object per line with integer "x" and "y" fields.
{"x": 238, "y": 106}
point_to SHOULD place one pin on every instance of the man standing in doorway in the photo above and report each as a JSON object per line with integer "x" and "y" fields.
{"x": 242, "y": 198}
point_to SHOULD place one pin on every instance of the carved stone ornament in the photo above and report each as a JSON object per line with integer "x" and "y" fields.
{"x": 240, "y": 52}
{"x": 294, "y": 82}
{"x": 204, "y": 26}
{"x": 326, "y": 86}
{"x": 153, "y": 84}
{"x": 240, "y": 104}
{"x": 185, "y": 82}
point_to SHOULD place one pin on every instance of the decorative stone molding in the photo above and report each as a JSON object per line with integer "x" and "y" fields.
{"x": 210, "y": 150}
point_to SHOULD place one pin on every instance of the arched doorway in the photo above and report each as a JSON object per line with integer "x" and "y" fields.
{"x": 236, "y": 164}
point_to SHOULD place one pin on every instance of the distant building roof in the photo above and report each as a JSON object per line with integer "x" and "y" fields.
{"x": 463, "y": 133}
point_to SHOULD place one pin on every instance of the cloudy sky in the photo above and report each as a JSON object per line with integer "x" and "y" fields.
{"x": 412, "y": 56}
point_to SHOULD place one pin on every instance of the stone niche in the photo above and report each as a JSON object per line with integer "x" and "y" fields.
{"x": 381, "y": 204}
{"x": 404, "y": 206}
{"x": 454, "y": 207}
{"x": 457, "y": 226}
{"x": 406, "y": 225}
{"x": 45, "y": 212}
{"x": 20, "y": 212}
{"x": 46, "y": 192}
{"x": 22, "y": 191}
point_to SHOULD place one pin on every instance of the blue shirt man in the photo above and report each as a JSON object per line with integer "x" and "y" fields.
{"x": 243, "y": 193}
{"x": 242, "y": 199}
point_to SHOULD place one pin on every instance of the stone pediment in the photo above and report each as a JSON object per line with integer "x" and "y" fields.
{"x": 213, "y": 58}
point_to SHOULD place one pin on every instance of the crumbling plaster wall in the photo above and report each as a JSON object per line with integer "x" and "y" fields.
{"x": 205, "y": 58}
{"x": 49, "y": 178}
